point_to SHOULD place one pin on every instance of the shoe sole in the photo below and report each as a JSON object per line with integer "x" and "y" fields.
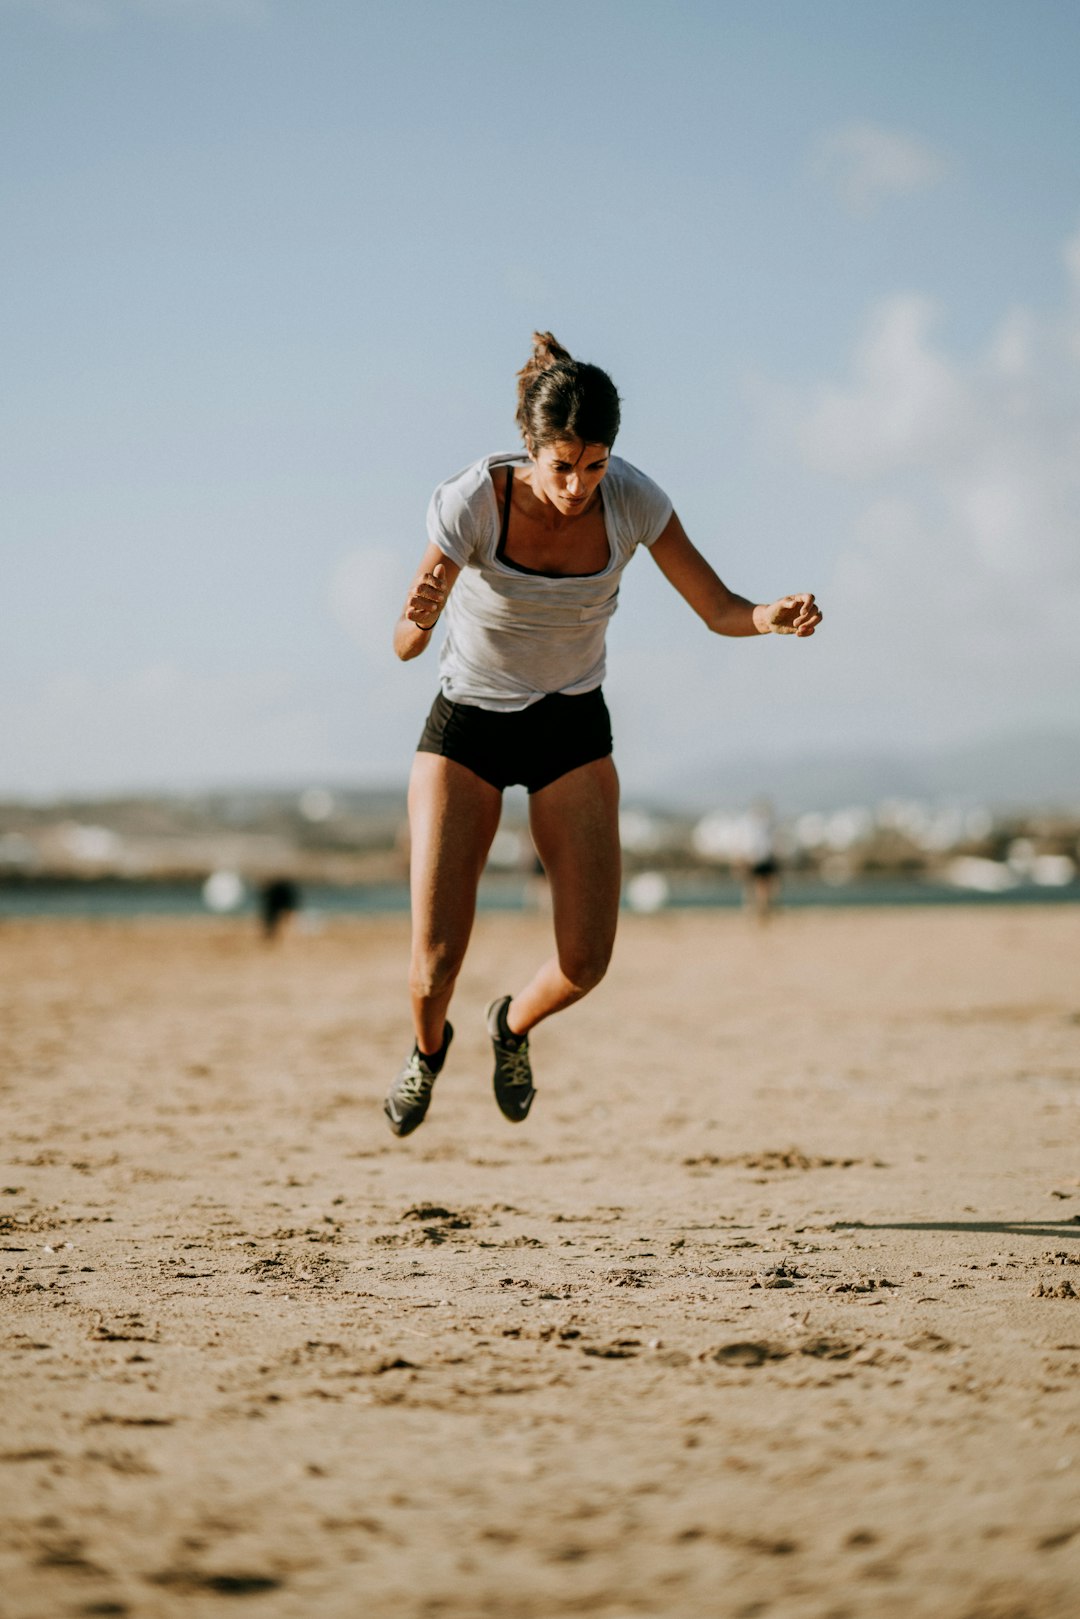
{"x": 522, "y": 1114}
{"x": 403, "y": 1127}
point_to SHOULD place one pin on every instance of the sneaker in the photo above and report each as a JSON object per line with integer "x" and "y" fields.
{"x": 514, "y": 1088}
{"x": 409, "y": 1097}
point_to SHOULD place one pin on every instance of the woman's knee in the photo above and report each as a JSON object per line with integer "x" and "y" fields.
{"x": 584, "y": 965}
{"x": 434, "y": 970}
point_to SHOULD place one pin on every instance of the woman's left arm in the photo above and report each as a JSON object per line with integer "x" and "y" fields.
{"x": 683, "y": 565}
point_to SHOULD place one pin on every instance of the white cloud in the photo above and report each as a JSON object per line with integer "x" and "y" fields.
{"x": 866, "y": 165}
{"x": 902, "y": 404}
{"x": 957, "y": 589}
{"x": 992, "y": 442}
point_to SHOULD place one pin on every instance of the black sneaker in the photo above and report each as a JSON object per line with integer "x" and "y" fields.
{"x": 409, "y": 1097}
{"x": 514, "y": 1089}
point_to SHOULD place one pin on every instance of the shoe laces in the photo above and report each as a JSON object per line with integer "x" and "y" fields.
{"x": 515, "y": 1066}
{"x": 415, "y": 1082}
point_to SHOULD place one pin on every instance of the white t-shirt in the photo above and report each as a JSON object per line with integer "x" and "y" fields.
{"x": 514, "y": 637}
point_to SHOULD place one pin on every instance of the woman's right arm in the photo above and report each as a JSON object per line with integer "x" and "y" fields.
{"x": 427, "y": 597}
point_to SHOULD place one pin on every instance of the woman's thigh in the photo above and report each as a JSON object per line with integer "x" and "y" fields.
{"x": 453, "y": 817}
{"x": 575, "y": 827}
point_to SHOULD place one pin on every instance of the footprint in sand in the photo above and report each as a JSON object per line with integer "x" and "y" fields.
{"x": 232, "y": 1585}
{"x": 757, "y": 1351}
{"x": 774, "y": 1159}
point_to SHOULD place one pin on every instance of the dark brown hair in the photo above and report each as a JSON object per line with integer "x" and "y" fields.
{"x": 563, "y": 398}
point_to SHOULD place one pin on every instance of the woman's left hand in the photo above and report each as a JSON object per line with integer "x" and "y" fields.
{"x": 793, "y": 615}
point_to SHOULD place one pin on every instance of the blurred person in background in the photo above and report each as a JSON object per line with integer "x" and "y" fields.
{"x": 279, "y": 901}
{"x": 760, "y": 864}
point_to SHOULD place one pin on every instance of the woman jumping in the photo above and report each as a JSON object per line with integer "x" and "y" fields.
{"x": 525, "y": 555}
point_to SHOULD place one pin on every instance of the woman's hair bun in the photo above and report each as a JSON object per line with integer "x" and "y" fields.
{"x": 546, "y": 352}
{"x": 558, "y": 396}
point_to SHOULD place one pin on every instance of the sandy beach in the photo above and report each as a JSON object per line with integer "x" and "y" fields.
{"x": 772, "y": 1307}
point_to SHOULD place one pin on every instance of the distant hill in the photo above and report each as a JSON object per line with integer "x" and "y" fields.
{"x": 1027, "y": 771}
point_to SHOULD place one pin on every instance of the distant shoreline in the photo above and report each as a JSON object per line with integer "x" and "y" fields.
{"x": 115, "y": 898}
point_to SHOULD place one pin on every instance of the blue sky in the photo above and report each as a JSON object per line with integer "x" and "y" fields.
{"x": 271, "y": 265}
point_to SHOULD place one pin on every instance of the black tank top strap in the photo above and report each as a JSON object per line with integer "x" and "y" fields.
{"x": 505, "y": 528}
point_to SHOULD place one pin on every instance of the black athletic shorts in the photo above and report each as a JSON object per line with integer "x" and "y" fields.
{"x": 531, "y": 747}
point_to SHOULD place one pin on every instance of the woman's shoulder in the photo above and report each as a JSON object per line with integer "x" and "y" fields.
{"x": 478, "y": 474}
{"x": 643, "y": 507}
{"x": 471, "y": 487}
{"x": 462, "y": 508}
{"x": 628, "y": 476}
{"x": 633, "y": 488}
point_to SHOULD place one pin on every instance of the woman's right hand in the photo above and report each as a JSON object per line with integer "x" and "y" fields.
{"x": 427, "y": 598}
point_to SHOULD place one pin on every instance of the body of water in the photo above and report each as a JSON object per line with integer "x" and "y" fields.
{"x": 113, "y": 898}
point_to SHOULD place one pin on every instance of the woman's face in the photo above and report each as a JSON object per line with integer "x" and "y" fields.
{"x": 568, "y": 474}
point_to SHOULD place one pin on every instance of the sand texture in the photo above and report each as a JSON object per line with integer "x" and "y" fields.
{"x": 771, "y": 1308}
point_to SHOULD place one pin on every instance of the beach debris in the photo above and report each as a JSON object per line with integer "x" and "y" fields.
{"x": 625, "y": 1277}
{"x": 617, "y": 1349}
{"x": 437, "y": 1222}
{"x": 1054, "y": 1290}
{"x": 316, "y": 1270}
{"x": 774, "y": 1159}
{"x": 783, "y": 1275}
{"x": 124, "y": 1329}
{"x": 20, "y": 1282}
{"x": 865, "y": 1284}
